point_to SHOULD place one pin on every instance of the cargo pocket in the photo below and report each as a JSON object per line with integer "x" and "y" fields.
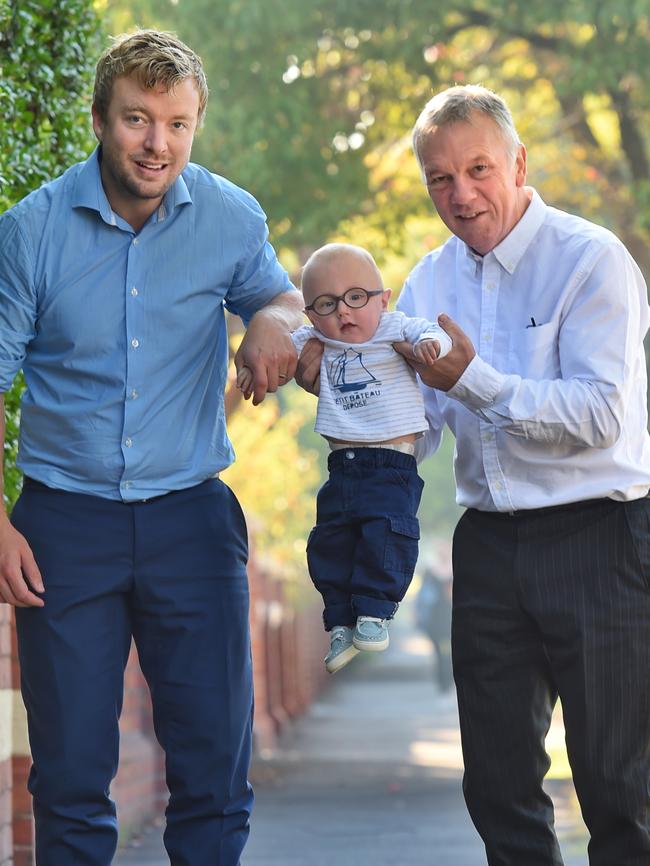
{"x": 401, "y": 550}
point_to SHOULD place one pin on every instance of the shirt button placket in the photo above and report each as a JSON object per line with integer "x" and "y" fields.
{"x": 134, "y": 326}
{"x": 489, "y": 298}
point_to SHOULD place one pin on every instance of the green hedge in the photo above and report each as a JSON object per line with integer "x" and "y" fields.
{"x": 48, "y": 49}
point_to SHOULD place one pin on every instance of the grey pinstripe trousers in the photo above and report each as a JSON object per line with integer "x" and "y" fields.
{"x": 555, "y": 602}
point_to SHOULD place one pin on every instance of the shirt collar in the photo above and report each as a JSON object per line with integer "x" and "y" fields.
{"x": 89, "y": 192}
{"x": 512, "y": 248}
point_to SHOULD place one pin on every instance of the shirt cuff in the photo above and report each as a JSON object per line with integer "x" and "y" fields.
{"x": 479, "y": 385}
{"x": 443, "y": 339}
{"x": 8, "y": 372}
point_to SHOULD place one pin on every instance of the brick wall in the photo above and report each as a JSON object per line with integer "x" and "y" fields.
{"x": 6, "y": 719}
{"x": 139, "y": 787}
{"x": 288, "y": 644}
{"x": 16, "y": 827}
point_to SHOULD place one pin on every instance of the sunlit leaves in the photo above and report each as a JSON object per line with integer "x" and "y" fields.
{"x": 276, "y": 476}
{"x": 293, "y": 81}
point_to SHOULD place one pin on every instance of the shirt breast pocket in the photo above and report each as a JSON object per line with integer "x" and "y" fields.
{"x": 533, "y": 352}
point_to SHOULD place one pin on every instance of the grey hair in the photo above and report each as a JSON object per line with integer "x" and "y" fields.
{"x": 459, "y": 103}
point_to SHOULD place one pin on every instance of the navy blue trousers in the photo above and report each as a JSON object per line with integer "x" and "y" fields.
{"x": 362, "y": 552}
{"x": 555, "y": 602}
{"x": 171, "y": 572}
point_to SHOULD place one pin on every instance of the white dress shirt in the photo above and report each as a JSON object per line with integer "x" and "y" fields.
{"x": 553, "y": 407}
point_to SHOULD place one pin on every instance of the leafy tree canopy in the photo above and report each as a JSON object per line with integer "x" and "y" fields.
{"x": 312, "y": 103}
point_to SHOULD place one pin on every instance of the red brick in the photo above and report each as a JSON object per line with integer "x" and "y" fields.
{"x": 22, "y": 799}
{"x": 23, "y": 825}
{"x": 23, "y": 857}
{"x": 23, "y": 832}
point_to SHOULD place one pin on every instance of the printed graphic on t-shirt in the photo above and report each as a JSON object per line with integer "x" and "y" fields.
{"x": 349, "y": 376}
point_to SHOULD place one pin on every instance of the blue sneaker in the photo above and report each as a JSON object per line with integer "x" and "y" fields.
{"x": 371, "y": 634}
{"x": 342, "y": 650}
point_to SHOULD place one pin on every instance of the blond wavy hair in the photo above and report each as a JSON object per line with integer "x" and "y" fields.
{"x": 154, "y": 58}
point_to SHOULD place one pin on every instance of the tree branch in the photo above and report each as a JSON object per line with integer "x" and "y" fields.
{"x": 631, "y": 140}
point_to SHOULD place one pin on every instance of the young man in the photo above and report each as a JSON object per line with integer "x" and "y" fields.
{"x": 545, "y": 391}
{"x": 113, "y": 283}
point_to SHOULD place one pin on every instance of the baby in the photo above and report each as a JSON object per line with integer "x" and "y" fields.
{"x": 362, "y": 551}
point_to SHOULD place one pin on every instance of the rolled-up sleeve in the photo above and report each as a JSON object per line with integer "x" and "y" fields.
{"x": 18, "y": 305}
{"x": 259, "y": 276}
{"x": 598, "y": 338}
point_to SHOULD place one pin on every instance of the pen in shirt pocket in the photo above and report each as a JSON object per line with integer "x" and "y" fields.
{"x": 533, "y": 323}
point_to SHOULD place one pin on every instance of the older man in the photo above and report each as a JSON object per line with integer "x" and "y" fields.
{"x": 545, "y": 392}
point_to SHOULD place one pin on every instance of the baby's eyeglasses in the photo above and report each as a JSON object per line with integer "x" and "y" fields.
{"x": 325, "y": 305}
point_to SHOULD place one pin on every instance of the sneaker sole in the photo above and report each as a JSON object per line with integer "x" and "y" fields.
{"x": 341, "y": 660}
{"x": 371, "y": 646}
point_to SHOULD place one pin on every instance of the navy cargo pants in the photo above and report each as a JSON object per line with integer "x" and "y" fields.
{"x": 363, "y": 549}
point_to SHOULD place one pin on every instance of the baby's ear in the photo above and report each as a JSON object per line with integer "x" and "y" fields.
{"x": 385, "y": 298}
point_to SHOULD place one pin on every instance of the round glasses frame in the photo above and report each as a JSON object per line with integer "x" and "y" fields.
{"x": 325, "y": 305}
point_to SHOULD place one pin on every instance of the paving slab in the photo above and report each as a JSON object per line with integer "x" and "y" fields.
{"x": 372, "y": 774}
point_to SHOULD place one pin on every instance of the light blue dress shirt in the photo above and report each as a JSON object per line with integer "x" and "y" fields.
{"x": 122, "y": 335}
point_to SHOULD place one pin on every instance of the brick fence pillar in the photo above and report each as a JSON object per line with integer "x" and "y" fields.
{"x": 6, "y": 739}
{"x": 264, "y": 728}
{"x": 139, "y": 788}
{"x": 21, "y": 801}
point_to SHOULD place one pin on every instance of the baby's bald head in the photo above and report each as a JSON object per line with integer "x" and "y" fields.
{"x": 327, "y": 266}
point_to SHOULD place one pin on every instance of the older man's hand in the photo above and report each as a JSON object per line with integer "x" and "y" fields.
{"x": 444, "y": 372}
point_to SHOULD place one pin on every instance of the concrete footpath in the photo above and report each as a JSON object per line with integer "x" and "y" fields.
{"x": 371, "y": 775}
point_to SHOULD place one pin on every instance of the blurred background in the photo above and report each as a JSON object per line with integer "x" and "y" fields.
{"x": 311, "y": 107}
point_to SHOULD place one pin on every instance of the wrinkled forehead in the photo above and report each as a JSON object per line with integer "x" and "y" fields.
{"x": 479, "y": 133}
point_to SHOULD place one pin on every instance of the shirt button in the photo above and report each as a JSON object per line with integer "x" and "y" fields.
{"x": 490, "y": 286}
{"x": 135, "y": 242}
{"x": 134, "y": 291}
{"x": 349, "y": 455}
{"x": 128, "y": 442}
{"x": 133, "y": 394}
{"x": 135, "y": 343}
{"x": 127, "y": 484}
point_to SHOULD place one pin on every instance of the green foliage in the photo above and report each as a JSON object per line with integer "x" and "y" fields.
{"x": 312, "y": 102}
{"x": 275, "y": 477}
{"x": 47, "y": 52}
{"x": 12, "y": 476}
{"x": 439, "y": 513}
